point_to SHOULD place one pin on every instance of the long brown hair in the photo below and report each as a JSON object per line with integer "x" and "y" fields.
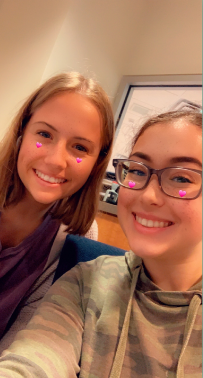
{"x": 193, "y": 116}
{"x": 79, "y": 210}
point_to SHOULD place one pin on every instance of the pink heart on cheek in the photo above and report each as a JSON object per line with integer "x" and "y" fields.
{"x": 131, "y": 184}
{"x": 78, "y": 160}
{"x": 38, "y": 145}
{"x": 182, "y": 193}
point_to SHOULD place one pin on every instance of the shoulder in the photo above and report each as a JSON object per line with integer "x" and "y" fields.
{"x": 93, "y": 283}
{"x": 57, "y": 246}
{"x": 126, "y": 263}
{"x": 60, "y": 239}
{"x": 103, "y": 269}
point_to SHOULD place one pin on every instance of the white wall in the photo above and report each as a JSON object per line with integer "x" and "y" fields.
{"x": 96, "y": 39}
{"x": 28, "y": 30}
{"x": 107, "y": 38}
{"x": 169, "y": 39}
{"x": 129, "y": 37}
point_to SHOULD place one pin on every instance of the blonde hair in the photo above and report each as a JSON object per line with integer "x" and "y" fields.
{"x": 193, "y": 116}
{"x": 79, "y": 210}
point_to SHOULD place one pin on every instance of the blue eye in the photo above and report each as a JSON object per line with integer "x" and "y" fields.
{"x": 137, "y": 172}
{"x": 181, "y": 179}
{"x": 80, "y": 148}
{"x": 44, "y": 134}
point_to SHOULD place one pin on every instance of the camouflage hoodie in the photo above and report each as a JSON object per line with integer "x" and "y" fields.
{"x": 107, "y": 319}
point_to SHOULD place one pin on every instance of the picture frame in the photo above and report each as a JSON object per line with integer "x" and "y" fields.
{"x": 140, "y": 97}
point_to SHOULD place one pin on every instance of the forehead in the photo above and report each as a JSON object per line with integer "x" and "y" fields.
{"x": 66, "y": 108}
{"x": 66, "y": 100}
{"x": 179, "y": 138}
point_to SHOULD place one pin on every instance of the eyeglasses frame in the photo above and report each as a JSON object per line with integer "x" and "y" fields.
{"x": 158, "y": 173}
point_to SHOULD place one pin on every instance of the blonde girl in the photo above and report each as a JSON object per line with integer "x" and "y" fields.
{"x": 52, "y": 161}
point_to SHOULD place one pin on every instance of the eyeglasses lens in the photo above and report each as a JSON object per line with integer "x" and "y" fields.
{"x": 181, "y": 183}
{"x": 132, "y": 175}
{"x": 176, "y": 182}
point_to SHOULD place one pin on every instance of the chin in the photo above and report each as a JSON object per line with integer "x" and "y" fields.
{"x": 44, "y": 200}
{"x": 145, "y": 252}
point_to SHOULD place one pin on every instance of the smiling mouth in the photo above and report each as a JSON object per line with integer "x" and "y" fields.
{"x": 152, "y": 224}
{"x": 50, "y": 179}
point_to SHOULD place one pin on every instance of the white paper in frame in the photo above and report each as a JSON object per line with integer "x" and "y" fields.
{"x": 140, "y": 97}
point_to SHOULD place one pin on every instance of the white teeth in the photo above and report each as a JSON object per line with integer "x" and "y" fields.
{"x": 47, "y": 178}
{"x": 143, "y": 222}
{"x": 151, "y": 223}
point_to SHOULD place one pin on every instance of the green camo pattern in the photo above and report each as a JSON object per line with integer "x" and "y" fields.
{"x": 76, "y": 329}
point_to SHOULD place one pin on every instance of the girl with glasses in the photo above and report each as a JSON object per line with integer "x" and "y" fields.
{"x": 138, "y": 315}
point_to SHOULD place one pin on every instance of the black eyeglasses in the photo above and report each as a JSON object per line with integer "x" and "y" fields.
{"x": 177, "y": 182}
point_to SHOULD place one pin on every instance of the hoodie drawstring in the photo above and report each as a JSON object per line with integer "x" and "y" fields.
{"x": 190, "y": 320}
{"x": 120, "y": 353}
{"x": 191, "y": 315}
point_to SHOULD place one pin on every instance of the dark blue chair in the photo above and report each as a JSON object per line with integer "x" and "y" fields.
{"x": 80, "y": 249}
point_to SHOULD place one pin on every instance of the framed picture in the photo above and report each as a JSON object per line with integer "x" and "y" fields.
{"x": 140, "y": 97}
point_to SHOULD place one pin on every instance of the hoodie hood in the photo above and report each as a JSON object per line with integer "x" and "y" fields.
{"x": 191, "y": 298}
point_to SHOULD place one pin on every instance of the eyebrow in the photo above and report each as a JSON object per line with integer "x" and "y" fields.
{"x": 186, "y": 159}
{"x": 174, "y": 160}
{"x": 47, "y": 124}
{"x": 53, "y": 128}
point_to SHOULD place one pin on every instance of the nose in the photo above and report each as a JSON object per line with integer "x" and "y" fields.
{"x": 152, "y": 194}
{"x": 57, "y": 156}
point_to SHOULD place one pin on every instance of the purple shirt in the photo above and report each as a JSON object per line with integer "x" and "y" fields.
{"x": 20, "y": 267}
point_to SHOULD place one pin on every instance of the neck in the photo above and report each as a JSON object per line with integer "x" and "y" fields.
{"x": 19, "y": 221}
{"x": 32, "y": 208}
{"x": 28, "y": 209}
{"x": 176, "y": 276}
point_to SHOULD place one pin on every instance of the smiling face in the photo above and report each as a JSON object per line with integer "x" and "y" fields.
{"x": 60, "y": 146}
{"x": 155, "y": 224}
